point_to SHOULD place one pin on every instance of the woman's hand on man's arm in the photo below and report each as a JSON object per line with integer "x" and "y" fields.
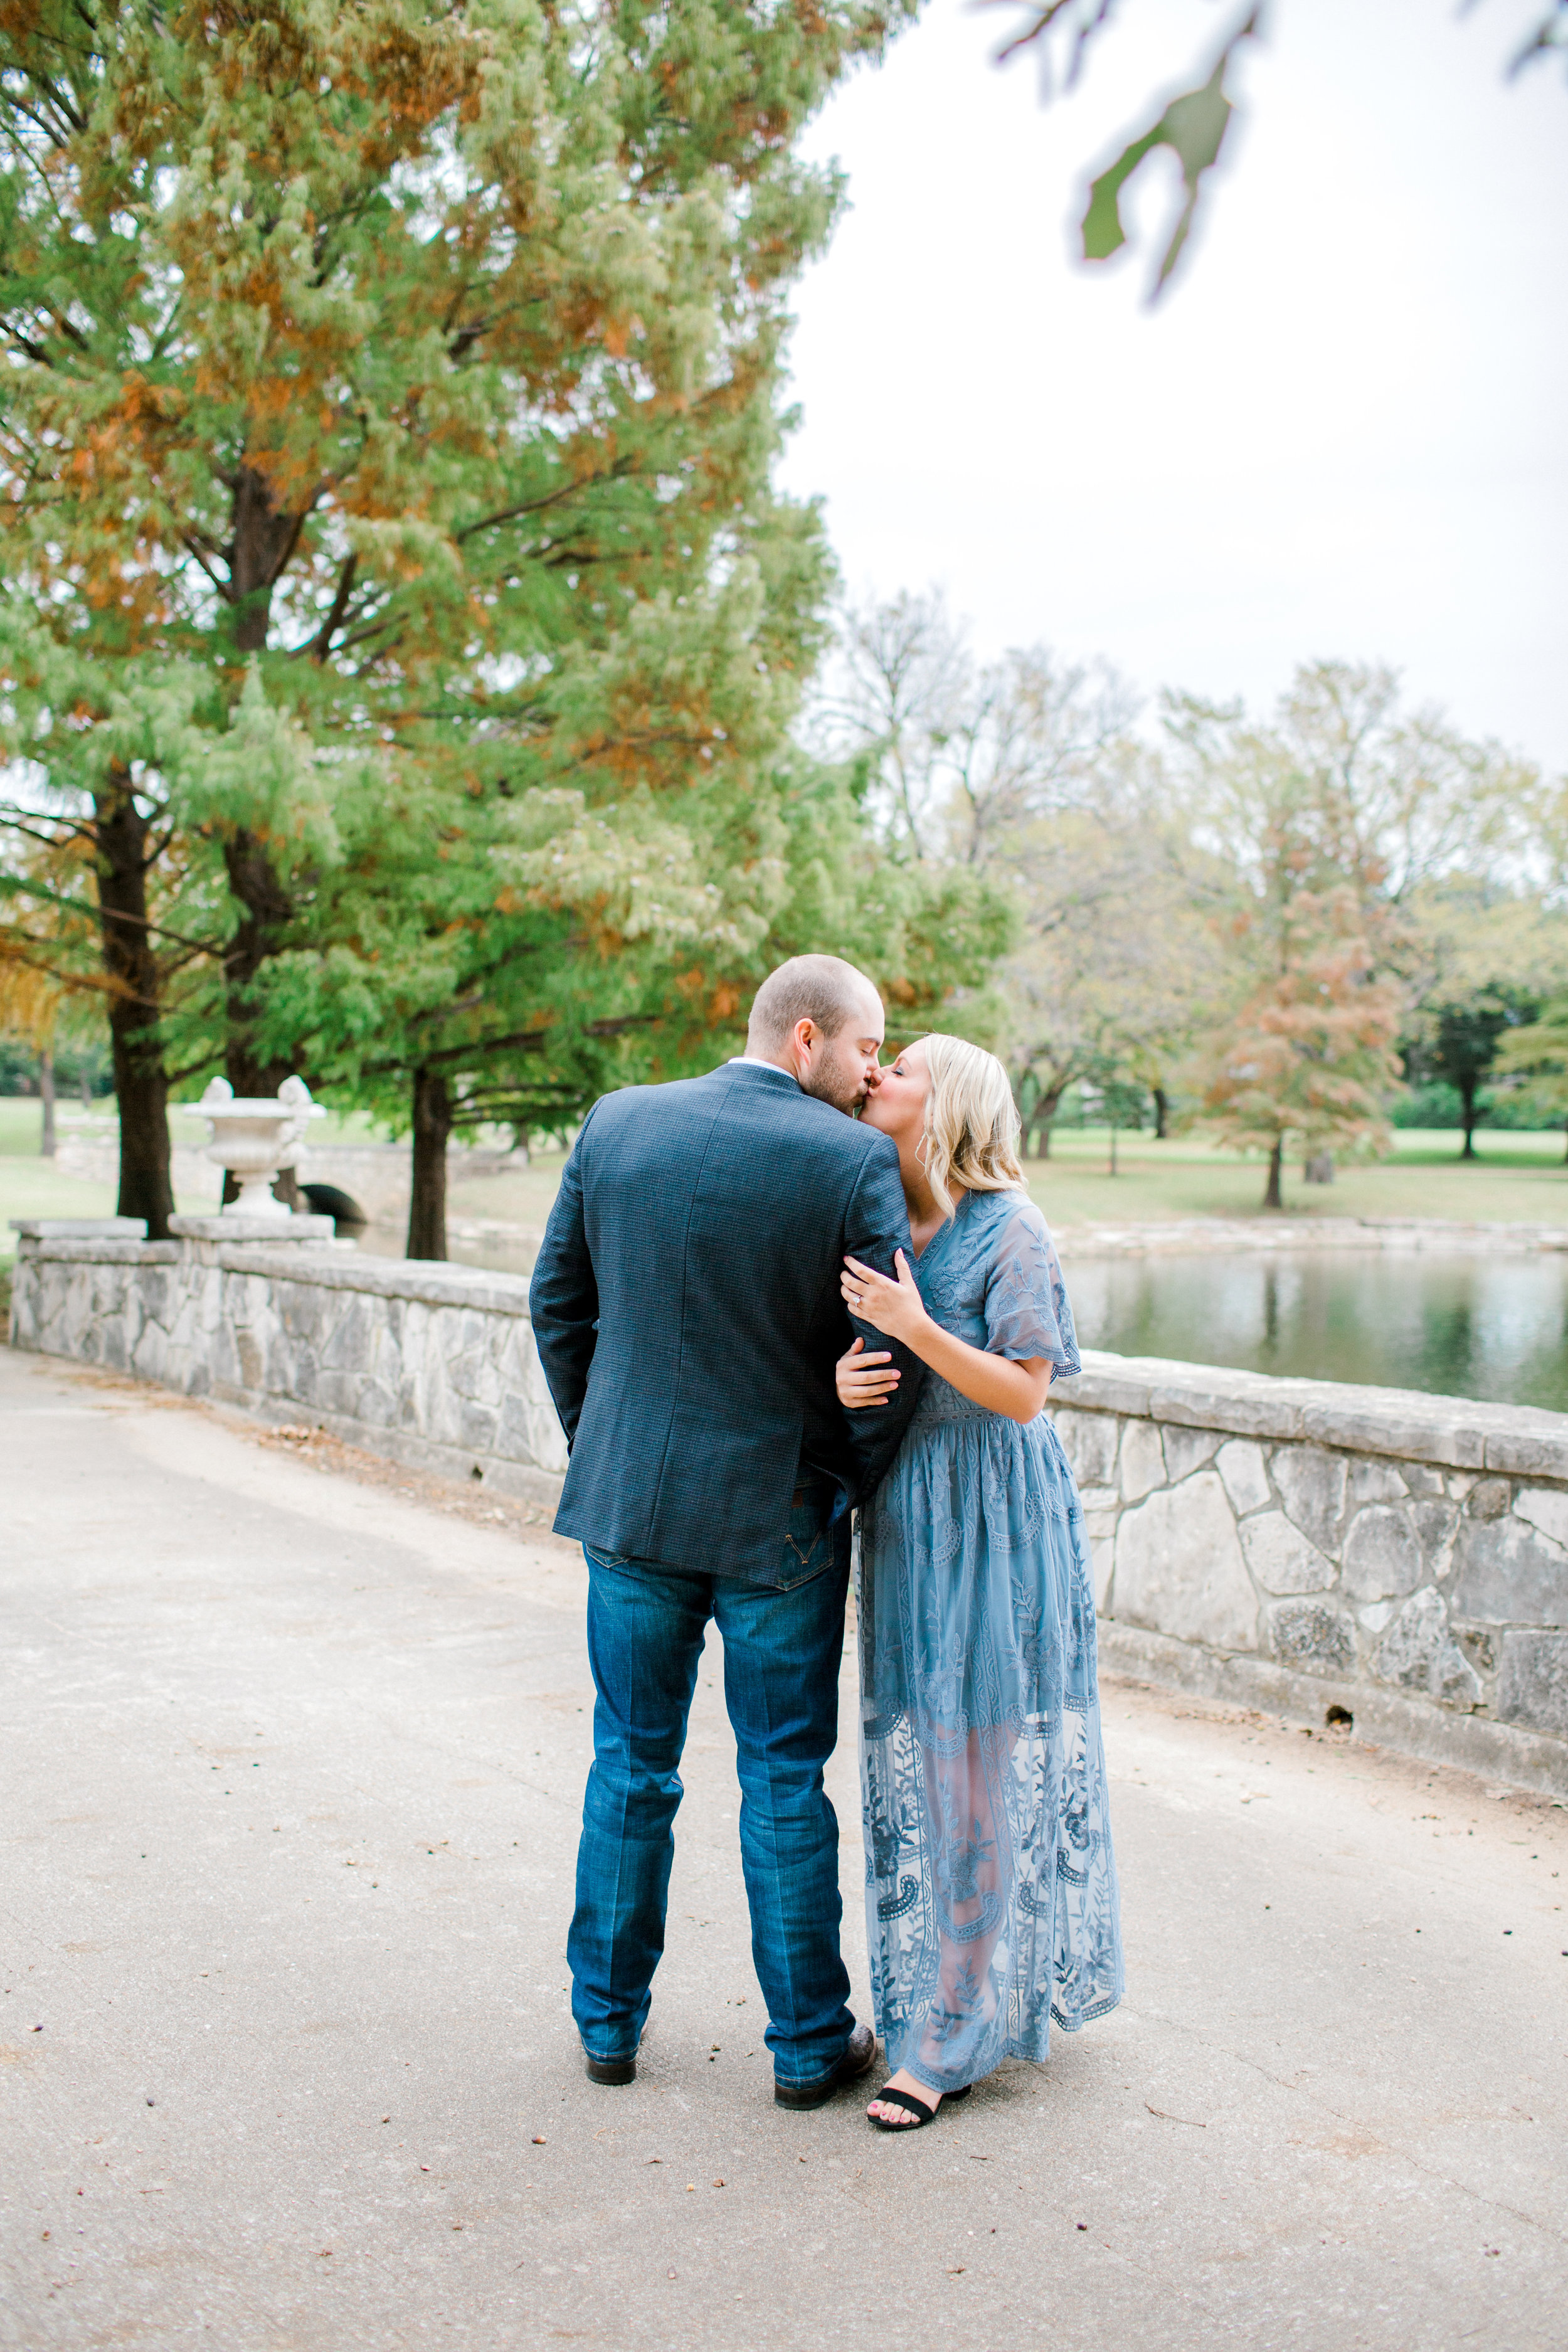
{"x": 1007, "y": 1384}
{"x": 861, "y": 1379}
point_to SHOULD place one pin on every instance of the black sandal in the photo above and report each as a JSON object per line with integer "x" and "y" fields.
{"x": 906, "y": 2099}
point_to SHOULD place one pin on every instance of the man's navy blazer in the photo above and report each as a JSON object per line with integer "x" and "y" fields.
{"x": 687, "y": 1315}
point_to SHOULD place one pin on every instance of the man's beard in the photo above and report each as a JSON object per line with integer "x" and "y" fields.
{"x": 837, "y": 1085}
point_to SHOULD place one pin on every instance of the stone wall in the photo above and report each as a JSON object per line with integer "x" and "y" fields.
{"x": 1288, "y": 1544}
{"x": 433, "y": 1364}
{"x": 1396, "y": 1546}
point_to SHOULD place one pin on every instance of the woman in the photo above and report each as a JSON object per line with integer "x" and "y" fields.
{"x": 991, "y": 1886}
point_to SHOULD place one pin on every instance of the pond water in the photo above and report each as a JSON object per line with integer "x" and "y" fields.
{"x": 1452, "y": 1323}
{"x": 1494, "y": 1328}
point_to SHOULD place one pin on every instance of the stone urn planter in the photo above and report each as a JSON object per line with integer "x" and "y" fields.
{"x": 256, "y": 1137}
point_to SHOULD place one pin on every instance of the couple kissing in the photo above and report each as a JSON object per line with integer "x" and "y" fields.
{"x": 794, "y": 1312}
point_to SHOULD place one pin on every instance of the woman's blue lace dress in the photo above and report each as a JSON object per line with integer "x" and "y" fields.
{"x": 991, "y": 1897}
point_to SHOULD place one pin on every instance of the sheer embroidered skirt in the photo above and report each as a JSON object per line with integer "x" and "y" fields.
{"x": 991, "y": 1895}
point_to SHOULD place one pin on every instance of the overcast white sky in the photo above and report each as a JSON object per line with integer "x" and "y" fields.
{"x": 1340, "y": 434}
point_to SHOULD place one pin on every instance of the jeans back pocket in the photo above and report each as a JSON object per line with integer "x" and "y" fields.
{"x": 811, "y": 1539}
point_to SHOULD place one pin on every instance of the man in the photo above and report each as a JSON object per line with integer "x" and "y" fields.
{"x": 687, "y": 1310}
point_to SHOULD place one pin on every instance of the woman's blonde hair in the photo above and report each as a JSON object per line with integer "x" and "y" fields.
{"x": 971, "y": 1122}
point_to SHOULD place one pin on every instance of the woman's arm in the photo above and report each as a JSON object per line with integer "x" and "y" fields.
{"x": 1000, "y": 1384}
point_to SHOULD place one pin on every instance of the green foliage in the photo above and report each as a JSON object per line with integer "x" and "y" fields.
{"x": 1193, "y": 124}
{"x": 1458, "y": 1044}
{"x": 1119, "y": 1100}
{"x": 1022, "y": 779}
{"x": 1485, "y": 954}
{"x": 1310, "y": 1055}
{"x": 81, "y": 1066}
{"x": 1193, "y": 127}
{"x": 1433, "y": 1105}
{"x": 1377, "y": 857}
{"x": 1240, "y": 923}
{"x": 388, "y": 437}
{"x": 1329, "y": 818}
{"x": 1535, "y": 1056}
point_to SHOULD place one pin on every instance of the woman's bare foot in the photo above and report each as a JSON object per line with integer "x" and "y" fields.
{"x": 887, "y": 2111}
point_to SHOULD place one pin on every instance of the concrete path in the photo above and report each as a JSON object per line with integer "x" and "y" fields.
{"x": 292, "y": 1762}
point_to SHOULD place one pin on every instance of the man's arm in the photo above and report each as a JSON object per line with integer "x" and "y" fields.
{"x": 564, "y": 1296}
{"x": 876, "y": 1224}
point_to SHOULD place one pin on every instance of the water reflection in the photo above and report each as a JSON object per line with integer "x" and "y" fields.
{"x": 1456, "y": 1325}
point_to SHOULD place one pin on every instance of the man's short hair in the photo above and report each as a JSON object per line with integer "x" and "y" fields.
{"x": 819, "y": 988}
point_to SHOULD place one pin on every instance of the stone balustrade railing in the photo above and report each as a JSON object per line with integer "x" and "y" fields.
{"x": 1288, "y": 1544}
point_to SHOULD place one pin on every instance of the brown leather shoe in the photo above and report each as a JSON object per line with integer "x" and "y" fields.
{"x": 858, "y": 2060}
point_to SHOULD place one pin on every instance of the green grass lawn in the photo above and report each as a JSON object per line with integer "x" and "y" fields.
{"x": 1518, "y": 1178}
{"x": 20, "y": 1125}
{"x": 31, "y": 1186}
{"x": 521, "y": 1198}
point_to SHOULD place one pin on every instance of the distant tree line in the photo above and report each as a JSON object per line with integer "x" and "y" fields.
{"x": 1286, "y": 927}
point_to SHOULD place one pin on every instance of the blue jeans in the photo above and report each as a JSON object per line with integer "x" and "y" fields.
{"x": 782, "y": 1653}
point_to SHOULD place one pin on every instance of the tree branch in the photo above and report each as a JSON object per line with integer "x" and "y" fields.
{"x": 622, "y": 467}
{"x": 224, "y": 588}
{"x": 527, "y": 1041}
{"x": 321, "y": 644}
{"x": 23, "y": 821}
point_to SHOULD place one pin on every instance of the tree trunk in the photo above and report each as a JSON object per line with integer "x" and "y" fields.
{"x": 264, "y": 539}
{"x": 254, "y": 884}
{"x": 267, "y": 910}
{"x": 47, "y": 1089}
{"x": 1046, "y": 1106}
{"x": 141, "y": 1087}
{"x": 427, "y": 1201}
{"x": 1024, "y": 1092}
{"x": 1467, "y": 1118}
{"x": 1271, "y": 1199}
{"x": 1113, "y": 1147}
{"x": 1162, "y": 1113}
